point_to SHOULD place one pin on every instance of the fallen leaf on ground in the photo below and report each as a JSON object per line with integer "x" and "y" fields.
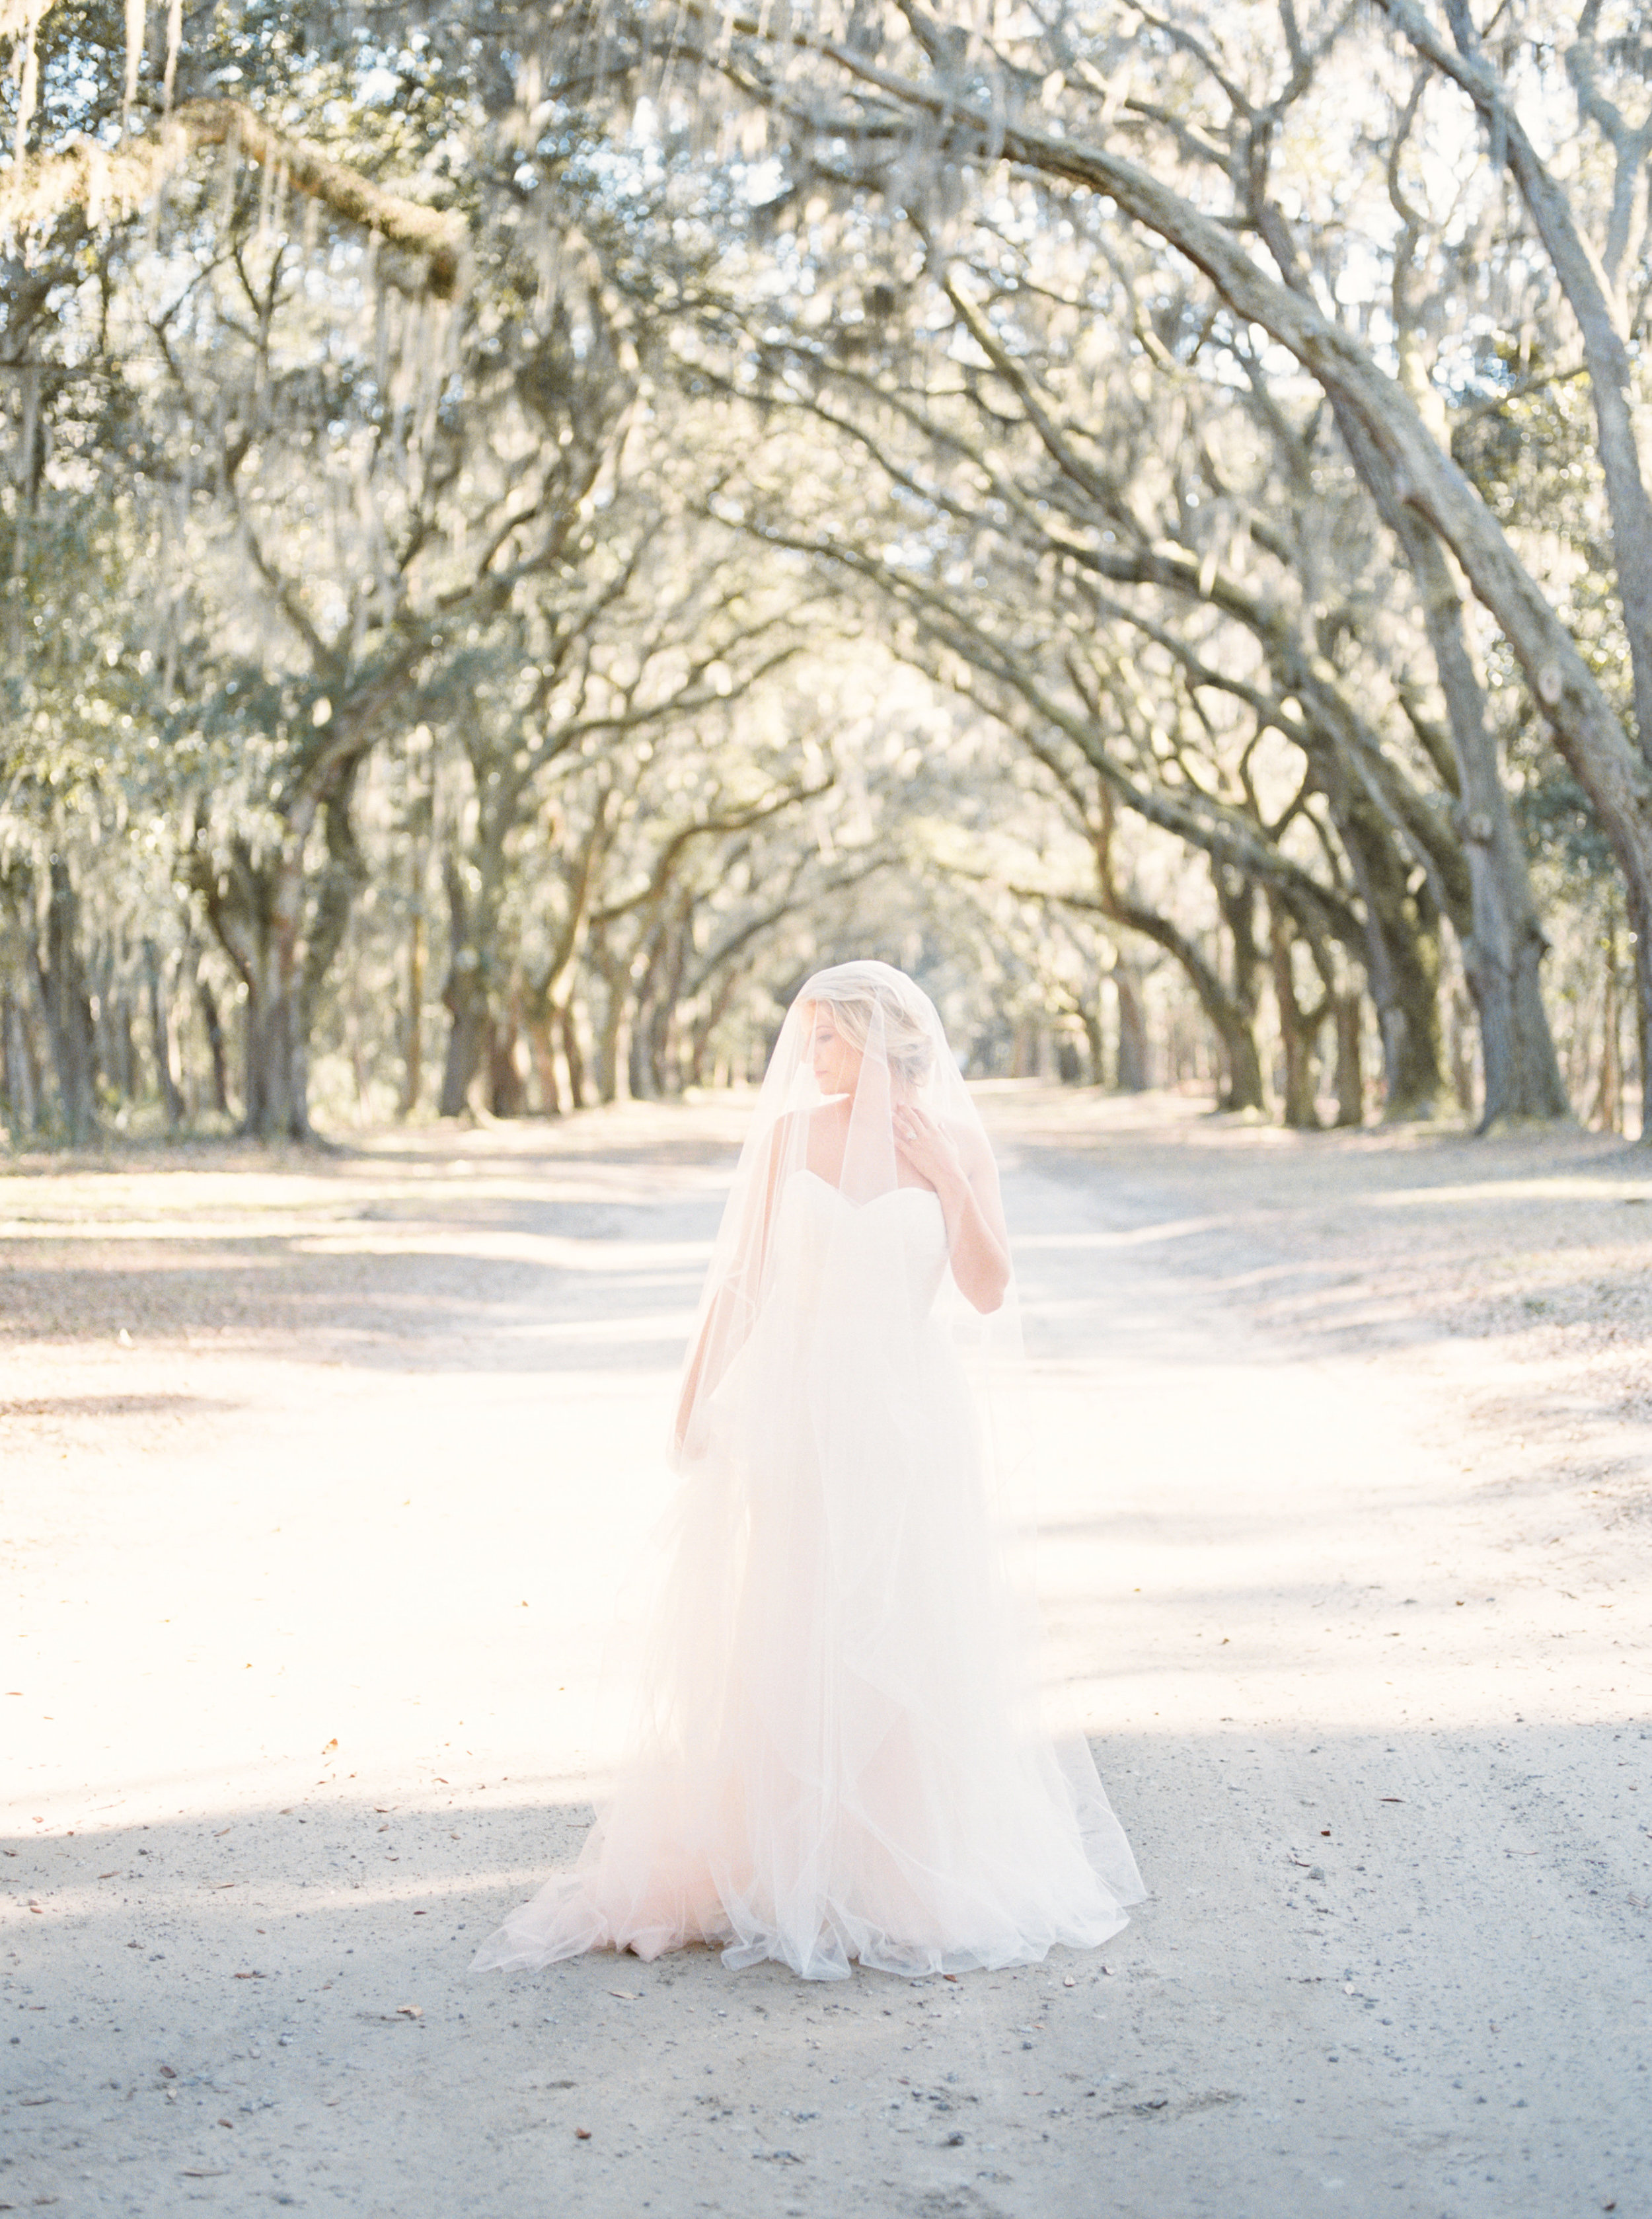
{"x": 582, "y": 2134}
{"x": 409, "y": 2011}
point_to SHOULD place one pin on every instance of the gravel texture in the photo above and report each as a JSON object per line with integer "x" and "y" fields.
{"x": 323, "y": 1476}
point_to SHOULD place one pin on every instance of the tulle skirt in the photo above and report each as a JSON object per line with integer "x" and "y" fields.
{"x": 840, "y": 1756}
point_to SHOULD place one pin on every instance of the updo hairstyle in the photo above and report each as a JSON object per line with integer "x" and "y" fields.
{"x": 907, "y": 1043}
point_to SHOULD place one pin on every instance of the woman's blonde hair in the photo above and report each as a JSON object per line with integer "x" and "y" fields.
{"x": 906, "y": 1041}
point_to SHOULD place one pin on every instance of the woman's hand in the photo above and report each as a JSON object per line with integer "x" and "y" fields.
{"x": 928, "y": 1149}
{"x": 977, "y": 1243}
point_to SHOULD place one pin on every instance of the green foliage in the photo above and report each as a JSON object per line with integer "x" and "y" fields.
{"x": 789, "y": 533}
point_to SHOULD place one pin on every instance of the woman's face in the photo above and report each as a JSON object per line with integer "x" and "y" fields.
{"x": 836, "y": 1061}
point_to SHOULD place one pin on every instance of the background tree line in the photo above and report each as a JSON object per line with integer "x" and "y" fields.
{"x": 527, "y": 529}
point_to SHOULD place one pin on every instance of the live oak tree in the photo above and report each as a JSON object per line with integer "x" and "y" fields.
{"x": 361, "y": 461}
{"x": 1148, "y": 385}
{"x": 1008, "y": 558}
{"x": 914, "y": 106}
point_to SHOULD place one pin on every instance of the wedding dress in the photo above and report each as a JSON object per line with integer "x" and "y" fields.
{"x": 841, "y": 1756}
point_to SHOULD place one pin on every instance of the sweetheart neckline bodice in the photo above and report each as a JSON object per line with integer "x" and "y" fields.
{"x": 819, "y": 1177}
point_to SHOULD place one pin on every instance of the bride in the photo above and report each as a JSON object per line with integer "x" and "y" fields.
{"x": 839, "y": 1755}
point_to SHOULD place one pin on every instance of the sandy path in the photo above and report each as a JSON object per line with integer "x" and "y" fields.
{"x": 1349, "y": 1504}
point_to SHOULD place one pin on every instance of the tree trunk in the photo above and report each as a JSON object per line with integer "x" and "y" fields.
{"x": 1236, "y": 898}
{"x": 282, "y": 933}
{"x": 60, "y": 978}
{"x": 207, "y": 1002}
{"x": 507, "y": 1095}
{"x": 652, "y": 1006}
{"x": 539, "y": 1029}
{"x": 638, "y": 1079}
{"x": 22, "y": 1077}
{"x": 1402, "y": 958}
{"x": 1504, "y": 946}
{"x": 614, "y": 971}
{"x": 1350, "y": 1011}
{"x": 1094, "y": 1039}
{"x": 1233, "y": 1025}
{"x": 572, "y": 1056}
{"x": 469, "y": 1038}
{"x": 1242, "y": 1086}
{"x": 1297, "y": 1032}
{"x": 113, "y": 1051}
{"x": 1135, "y": 1058}
{"x": 1233, "y": 1020}
{"x": 608, "y": 1040}
{"x": 413, "y": 1033}
{"x": 1608, "y": 1112}
{"x": 275, "y": 1085}
{"x": 465, "y": 996}
{"x": 160, "y": 1038}
{"x": 1459, "y": 1052}
{"x": 710, "y": 1017}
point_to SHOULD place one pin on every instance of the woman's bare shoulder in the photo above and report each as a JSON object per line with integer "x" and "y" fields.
{"x": 795, "y": 1130}
{"x": 795, "y": 1124}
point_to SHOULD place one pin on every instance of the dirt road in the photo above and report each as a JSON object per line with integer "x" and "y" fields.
{"x": 321, "y": 1480}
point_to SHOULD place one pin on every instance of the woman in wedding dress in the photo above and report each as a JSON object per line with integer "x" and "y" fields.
{"x": 839, "y": 1755}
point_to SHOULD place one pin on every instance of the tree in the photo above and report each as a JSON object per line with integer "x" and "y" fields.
{"x": 922, "y": 104}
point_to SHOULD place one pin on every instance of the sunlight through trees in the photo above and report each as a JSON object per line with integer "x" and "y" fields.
{"x": 524, "y": 532}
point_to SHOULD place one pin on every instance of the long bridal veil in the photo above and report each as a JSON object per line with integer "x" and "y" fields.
{"x": 839, "y": 1753}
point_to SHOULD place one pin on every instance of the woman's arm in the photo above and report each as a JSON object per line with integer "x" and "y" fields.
{"x": 966, "y": 1178}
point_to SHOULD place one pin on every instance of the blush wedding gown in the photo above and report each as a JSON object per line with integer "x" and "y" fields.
{"x": 841, "y": 1756}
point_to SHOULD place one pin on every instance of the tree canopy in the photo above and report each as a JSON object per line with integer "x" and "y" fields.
{"x": 527, "y": 529}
